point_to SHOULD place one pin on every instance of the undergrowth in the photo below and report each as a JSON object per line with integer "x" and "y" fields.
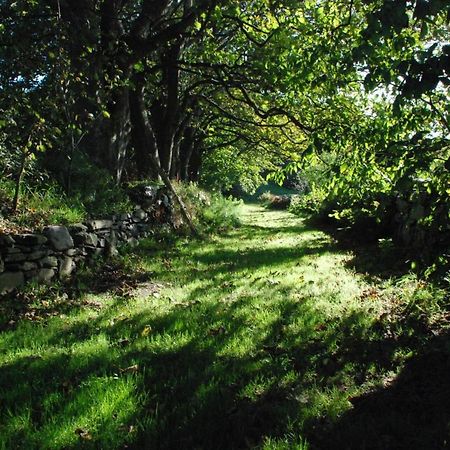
{"x": 210, "y": 211}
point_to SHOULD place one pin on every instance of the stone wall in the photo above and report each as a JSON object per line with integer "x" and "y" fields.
{"x": 56, "y": 251}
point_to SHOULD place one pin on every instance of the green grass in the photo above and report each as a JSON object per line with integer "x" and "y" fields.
{"x": 263, "y": 337}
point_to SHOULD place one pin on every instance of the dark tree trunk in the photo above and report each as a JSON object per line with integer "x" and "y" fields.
{"x": 142, "y": 139}
{"x": 118, "y": 133}
{"x": 19, "y": 179}
{"x": 167, "y": 130}
{"x": 186, "y": 149}
{"x": 194, "y": 164}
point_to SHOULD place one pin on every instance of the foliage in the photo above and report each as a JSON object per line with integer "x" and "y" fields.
{"x": 211, "y": 211}
{"x": 224, "y": 92}
{"x": 41, "y": 206}
{"x": 314, "y": 202}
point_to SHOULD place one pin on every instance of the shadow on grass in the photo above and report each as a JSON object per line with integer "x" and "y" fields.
{"x": 373, "y": 256}
{"x": 411, "y": 412}
{"x": 194, "y": 387}
{"x": 195, "y": 394}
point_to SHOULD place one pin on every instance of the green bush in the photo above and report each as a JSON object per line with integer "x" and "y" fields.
{"x": 314, "y": 202}
{"x": 210, "y": 211}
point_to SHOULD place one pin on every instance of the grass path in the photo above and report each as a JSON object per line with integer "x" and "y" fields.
{"x": 263, "y": 337}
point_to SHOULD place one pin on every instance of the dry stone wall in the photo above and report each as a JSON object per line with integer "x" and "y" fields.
{"x": 56, "y": 251}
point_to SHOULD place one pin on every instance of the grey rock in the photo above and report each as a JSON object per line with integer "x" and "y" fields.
{"x": 99, "y": 224}
{"x": 111, "y": 245}
{"x": 38, "y": 254}
{"x": 11, "y": 250}
{"x": 66, "y": 267}
{"x": 26, "y": 249}
{"x": 27, "y": 265}
{"x": 31, "y": 275}
{"x": 77, "y": 228}
{"x": 49, "y": 262}
{"x": 30, "y": 240}
{"x": 59, "y": 237}
{"x": 6, "y": 240}
{"x": 72, "y": 252}
{"x": 44, "y": 275}
{"x": 16, "y": 257}
{"x": 84, "y": 238}
{"x": 132, "y": 242}
{"x": 10, "y": 281}
{"x": 91, "y": 251}
{"x": 139, "y": 215}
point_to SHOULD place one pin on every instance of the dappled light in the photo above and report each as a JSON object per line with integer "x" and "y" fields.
{"x": 224, "y": 225}
{"x": 241, "y": 346}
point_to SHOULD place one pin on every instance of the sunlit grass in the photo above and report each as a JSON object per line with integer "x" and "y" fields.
{"x": 259, "y": 337}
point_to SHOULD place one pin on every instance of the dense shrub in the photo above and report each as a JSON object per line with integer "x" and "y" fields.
{"x": 312, "y": 202}
{"x": 210, "y": 211}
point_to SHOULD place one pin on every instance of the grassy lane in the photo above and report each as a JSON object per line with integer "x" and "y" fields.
{"x": 263, "y": 337}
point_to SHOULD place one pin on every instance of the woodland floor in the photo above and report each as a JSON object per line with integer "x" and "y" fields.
{"x": 269, "y": 336}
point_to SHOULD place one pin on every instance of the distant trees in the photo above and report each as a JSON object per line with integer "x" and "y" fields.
{"x": 225, "y": 90}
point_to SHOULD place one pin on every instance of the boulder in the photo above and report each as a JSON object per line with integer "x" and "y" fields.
{"x": 15, "y": 257}
{"x": 37, "y": 254}
{"x": 44, "y": 275}
{"x": 111, "y": 245}
{"x": 139, "y": 215}
{"x": 10, "y": 281}
{"x": 77, "y": 228}
{"x": 27, "y": 265}
{"x": 11, "y": 250}
{"x": 59, "y": 237}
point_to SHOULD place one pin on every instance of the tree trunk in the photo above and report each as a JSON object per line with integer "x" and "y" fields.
{"x": 141, "y": 116}
{"x": 169, "y": 186}
{"x": 168, "y": 127}
{"x": 19, "y": 179}
{"x": 118, "y": 131}
{"x": 142, "y": 140}
{"x": 186, "y": 149}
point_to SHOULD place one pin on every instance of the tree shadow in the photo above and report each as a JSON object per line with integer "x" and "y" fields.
{"x": 411, "y": 412}
{"x": 374, "y": 255}
{"x": 191, "y": 391}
